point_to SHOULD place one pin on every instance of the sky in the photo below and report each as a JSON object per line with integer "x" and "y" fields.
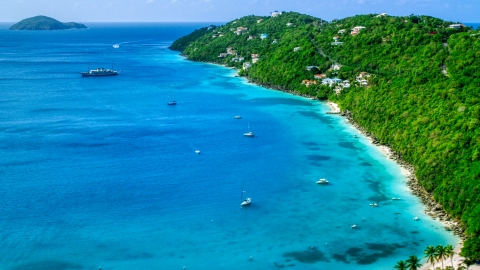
{"x": 228, "y": 10}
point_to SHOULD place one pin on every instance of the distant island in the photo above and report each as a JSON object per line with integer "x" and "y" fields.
{"x": 45, "y": 23}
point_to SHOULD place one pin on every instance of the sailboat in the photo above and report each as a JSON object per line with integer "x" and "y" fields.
{"x": 249, "y": 133}
{"x": 245, "y": 202}
{"x": 170, "y": 100}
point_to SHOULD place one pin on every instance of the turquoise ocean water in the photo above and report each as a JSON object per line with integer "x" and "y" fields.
{"x": 101, "y": 172}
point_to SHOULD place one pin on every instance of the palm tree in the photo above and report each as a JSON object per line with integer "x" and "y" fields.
{"x": 430, "y": 254}
{"x": 440, "y": 253}
{"x": 401, "y": 265}
{"x": 413, "y": 263}
{"x": 449, "y": 252}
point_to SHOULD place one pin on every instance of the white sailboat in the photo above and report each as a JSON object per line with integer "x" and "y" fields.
{"x": 245, "y": 202}
{"x": 170, "y": 100}
{"x": 249, "y": 133}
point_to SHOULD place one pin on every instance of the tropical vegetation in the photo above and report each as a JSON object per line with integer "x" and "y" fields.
{"x": 420, "y": 90}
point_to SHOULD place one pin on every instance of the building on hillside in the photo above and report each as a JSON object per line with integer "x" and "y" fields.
{"x": 357, "y": 30}
{"x": 263, "y": 36}
{"x": 342, "y": 31}
{"x": 331, "y": 82}
{"x": 259, "y": 20}
{"x": 240, "y": 30}
{"x": 250, "y": 37}
{"x": 274, "y": 41}
{"x": 296, "y": 49}
{"x": 336, "y": 66}
{"x": 255, "y": 58}
{"x": 222, "y": 55}
{"x": 456, "y": 26}
{"x": 319, "y": 76}
{"x": 381, "y": 15}
{"x": 289, "y": 24}
{"x": 307, "y": 83}
{"x": 310, "y": 67}
{"x": 275, "y": 13}
{"x": 246, "y": 65}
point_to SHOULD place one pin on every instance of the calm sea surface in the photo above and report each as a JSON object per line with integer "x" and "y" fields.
{"x": 101, "y": 172}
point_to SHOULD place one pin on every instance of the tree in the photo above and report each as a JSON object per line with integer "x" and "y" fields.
{"x": 401, "y": 265}
{"x": 449, "y": 252}
{"x": 430, "y": 254}
{"x": 440, "y": 253}
{"x": 413, "y": 263}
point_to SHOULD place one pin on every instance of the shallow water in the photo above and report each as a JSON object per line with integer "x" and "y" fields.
{"x": 101, "y": 172}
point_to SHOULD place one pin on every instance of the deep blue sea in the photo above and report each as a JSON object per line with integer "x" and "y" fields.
{"x": 101, "y": 172}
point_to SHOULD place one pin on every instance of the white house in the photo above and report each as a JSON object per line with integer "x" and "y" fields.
{"x": 341, "y": 31}
{"x": 336, "y": 66}
{"x": 275, "y": 13}
{"x": 263, "y": 36}
{"x": 246, "y": 65}
{"x": 331, "y": 82}
{"x": 456, "y": 26}
{"x": 296, "y": 49}
{"x": 381, "y": 15}
{"x": 289, "y": 24}
{"x": 357, "y": 30}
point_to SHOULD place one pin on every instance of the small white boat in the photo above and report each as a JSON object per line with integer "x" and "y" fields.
{"x": 396, "y": 199}
{"x": 415, "y": 218}
{"x": 354, "y": 226}
{"x": 322, "y": 181}
{"x": 245, "y": 202}
{"x": 197, "y": 151}
{"x": 116, "y": 46}
{"x": 237, "y": 117}
{"x": 373, "y": 204}
{"x": 249, "y": 133}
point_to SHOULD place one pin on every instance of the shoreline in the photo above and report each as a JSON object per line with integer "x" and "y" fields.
{"x": 432, "y": 207}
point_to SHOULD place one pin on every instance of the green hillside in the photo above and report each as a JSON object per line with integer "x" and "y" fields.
{"x": 44, "y": 23}
{"x": 414, "y": 85}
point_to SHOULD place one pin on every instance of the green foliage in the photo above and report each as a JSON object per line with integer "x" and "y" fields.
{"x": 422, "y": 98}
{"x": 44, "y": 23}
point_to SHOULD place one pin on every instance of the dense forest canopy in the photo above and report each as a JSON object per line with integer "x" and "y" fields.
{"x": 413, "y": 82}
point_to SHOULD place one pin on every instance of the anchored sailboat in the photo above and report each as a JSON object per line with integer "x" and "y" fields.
{"x": 249, "y": 133}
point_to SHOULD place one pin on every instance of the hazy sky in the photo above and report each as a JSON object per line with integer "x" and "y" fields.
{"x": 227, "y": 10}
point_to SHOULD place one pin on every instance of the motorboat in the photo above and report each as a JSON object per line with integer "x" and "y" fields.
{"x": 396, "y": 199}
{"x": 415, "y": 218}
{"x": 322, "y": 181}
{"x": 245, "y": 202}
{"x": 237, "y": 117}
{"x": 197, "y": 151}
{"x": 99, "y": 72}
{"x": 354, "y": 226}
{"x": 373, "y": 204}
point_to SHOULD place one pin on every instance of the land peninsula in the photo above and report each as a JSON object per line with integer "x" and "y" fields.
{"x": 409, "y": 82}
{"x": 45, "y": 23}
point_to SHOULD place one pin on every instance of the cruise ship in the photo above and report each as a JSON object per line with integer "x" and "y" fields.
{"x": 99, "y": 72}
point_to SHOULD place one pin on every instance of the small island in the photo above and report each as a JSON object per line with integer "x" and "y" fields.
{"x": 45, "y": 23}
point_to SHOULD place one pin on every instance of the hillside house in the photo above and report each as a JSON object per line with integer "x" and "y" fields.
{"x": 240, "y": 30}
{"x": 331, "y": 82}
{"x": 342, "y": 31}
{"x": 246, "y": 65}
{"x": 336, "y": 66}
{"x": 381, "y": 15}
{"x": 296, "y": 49}
{"x": 250, "y": 37}
{"x": 456, "y": 26}
{"x": 263, "y": 36}
{"x": 307, "y": 83}
{"x": 356, "y": 30}
{"x": 231, "y": 51}
{"x": 222, "y": 55}
{"x": 259, "y": 20}
{"x": 319, "y": 76}
{"x": 275, "y": 13}
{"x": 255, "y": 58}
{"x": 362, "y": 78}
{"x": 274, "y": 41}
{"x": 289, "y": 24}
{"x": 310, "y": 67}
